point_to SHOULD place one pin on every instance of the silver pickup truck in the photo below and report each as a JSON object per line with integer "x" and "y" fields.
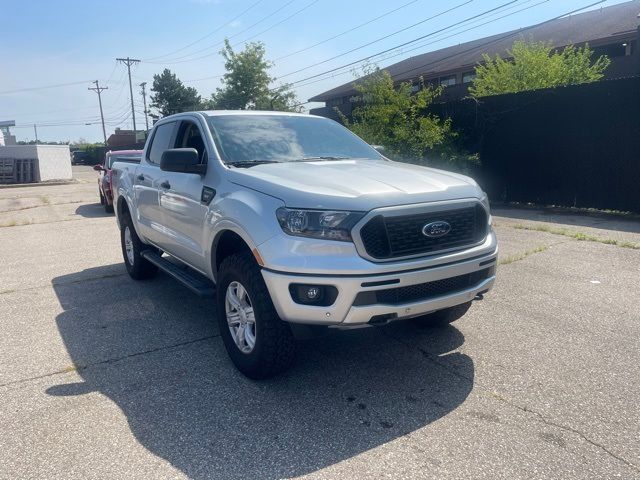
{"x": 294, "y": 223}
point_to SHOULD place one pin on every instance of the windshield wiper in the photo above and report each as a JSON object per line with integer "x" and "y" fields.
{"x": 324, "y": 157}
{"x": 250, "y": 163}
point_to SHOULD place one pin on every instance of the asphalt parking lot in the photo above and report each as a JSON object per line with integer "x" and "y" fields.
{"x": 104, "y": 377}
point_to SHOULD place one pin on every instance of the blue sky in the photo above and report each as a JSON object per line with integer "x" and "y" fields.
{"x": 49, "y": 42}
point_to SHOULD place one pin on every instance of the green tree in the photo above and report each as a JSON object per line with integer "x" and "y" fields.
{"x": 535, "y": 65}
{"x": 172, "y": 96}
{"x": 396, "y": 118}
{"x": 245, "y": 85}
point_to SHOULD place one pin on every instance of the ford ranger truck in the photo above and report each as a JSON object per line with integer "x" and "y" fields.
{"x": 291, "y": 221}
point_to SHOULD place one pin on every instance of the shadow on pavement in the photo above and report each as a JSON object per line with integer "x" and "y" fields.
{"x": 153, "y": 349}
{"x": 92, "y": 210}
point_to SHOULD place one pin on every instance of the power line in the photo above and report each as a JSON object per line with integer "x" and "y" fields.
{"x": 174, "y": 60}
{"x": 280, "y": 22}
{"x": 501, "y": 37}
{"x": 216, "y": 30}
{"x": 387, "y": 36}
{"x": 397, "y": 46}
{"x": 386, "y": 14}
{"x": 115, "y": 66}
{"x": 44, "y": 87}
{"x": 402, "y": 30}
{"x": 507, "y": 35}
{"x": 246, "y": 39}
{"x": 439, "y": 38}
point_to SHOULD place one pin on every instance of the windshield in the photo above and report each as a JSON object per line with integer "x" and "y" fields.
{"x": 283, "y": 138}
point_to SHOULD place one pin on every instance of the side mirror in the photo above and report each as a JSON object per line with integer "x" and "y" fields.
{"x": 98, "y": 168}
{"x": 182, "y": 160}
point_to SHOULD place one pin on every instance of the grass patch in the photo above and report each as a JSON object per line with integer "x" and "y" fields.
{"x": 580, "y": 236}
{"x": 523, "y": 255}
{"x": 570, "y": 210}
{"x": 11, "y": 223}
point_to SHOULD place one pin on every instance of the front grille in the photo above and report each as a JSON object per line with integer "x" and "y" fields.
{"x": 423, "y": 291}
{"x": 392, "y": 237}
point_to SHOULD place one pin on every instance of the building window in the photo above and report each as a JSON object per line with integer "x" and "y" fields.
{"x": 468, "y": 77}
{"x": 612, "y": 50}
{"x": 448, "y": 81}
{"x": 334, "y": 102}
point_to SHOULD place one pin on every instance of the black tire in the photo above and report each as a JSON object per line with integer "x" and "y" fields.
{"x": 275, "y": 346}
{"x": 138, "y": 267}
{"x": 443, "y": 317}
{"x": 102, "y": 199}
{"x": 107, "y": 208}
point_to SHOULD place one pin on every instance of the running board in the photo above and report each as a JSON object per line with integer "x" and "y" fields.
{"x": 194, "y": 281}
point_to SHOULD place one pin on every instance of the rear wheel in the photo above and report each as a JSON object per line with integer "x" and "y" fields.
{"x": 138, "y": 267}
{"x": 443, "y": 317}
{"x": 102, "y": 199}
{"x": 259, "y": 344}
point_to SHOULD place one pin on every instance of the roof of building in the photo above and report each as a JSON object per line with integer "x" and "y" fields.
{"x": 605, "y": 23}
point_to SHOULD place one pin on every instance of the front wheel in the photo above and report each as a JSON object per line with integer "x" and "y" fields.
{"x": 443, "y": 317}
{"x": 139, "y": 268}
{"x": 258, "y": 342}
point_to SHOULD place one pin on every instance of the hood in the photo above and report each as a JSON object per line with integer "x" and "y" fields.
{"x": 358, "y": 185}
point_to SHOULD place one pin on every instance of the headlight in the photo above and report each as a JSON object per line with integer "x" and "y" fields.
{"x": 484, "y": 199}
{"x": 329, "y": 225}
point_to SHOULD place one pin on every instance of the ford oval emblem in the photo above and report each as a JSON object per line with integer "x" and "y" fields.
{"x": 436, "y": 229}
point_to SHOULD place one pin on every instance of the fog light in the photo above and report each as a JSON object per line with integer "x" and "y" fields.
{"x": 318, "y": 295}
{"x": 312, "y": 293}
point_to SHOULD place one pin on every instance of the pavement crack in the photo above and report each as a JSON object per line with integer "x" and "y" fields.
{"x": 566, "y": 428}
{"x": 434, "y": 359}
{"x": 79, "y": 368}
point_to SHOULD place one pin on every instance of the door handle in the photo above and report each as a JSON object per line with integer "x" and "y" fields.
{"x": 140, "y": 177}
{"x": 165, "y": 185}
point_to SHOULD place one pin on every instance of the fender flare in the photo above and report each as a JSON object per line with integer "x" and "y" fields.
{"x": 224, "y": 226}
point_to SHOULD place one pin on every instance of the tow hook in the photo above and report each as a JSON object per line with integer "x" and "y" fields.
{"x": 480, "y": 296}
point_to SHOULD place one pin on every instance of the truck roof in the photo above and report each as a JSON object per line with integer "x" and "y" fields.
{"x": 214, "y": 113}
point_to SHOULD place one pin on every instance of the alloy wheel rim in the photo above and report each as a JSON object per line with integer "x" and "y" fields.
{"x": 240, "y": 317}
{"x": 128, "y": 245}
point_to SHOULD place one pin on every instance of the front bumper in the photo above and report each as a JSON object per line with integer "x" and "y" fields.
{"x": 344, "y": 312}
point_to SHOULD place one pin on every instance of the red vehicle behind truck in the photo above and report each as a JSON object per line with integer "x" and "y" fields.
{"x": 104, "y": 180}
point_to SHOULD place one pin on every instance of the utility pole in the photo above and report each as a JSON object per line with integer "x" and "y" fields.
{"x": 128, "y": 62}
{"x": 144, "y": 101}
{"x": 98, "y": 89}
{"x": 35, "y": 130}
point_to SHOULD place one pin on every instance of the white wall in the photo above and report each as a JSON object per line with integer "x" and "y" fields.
{"x": 54, "y": 162}
{"x": 19, "y": 151}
